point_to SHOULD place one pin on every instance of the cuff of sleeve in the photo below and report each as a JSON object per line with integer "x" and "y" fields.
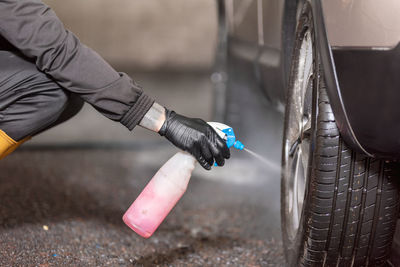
{"x": 136, "y": 113}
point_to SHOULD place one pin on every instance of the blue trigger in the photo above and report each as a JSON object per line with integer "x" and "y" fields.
{"x": 231, "y": 140}
{"x": 230, "y": 137}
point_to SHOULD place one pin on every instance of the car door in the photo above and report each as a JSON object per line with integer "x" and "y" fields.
{"x": 243, "y": 29}
{"x": 256, "y": 29}
{"x": 270, "y": 60}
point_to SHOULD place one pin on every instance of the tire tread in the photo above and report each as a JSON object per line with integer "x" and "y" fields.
{"x": 354, "y": 204}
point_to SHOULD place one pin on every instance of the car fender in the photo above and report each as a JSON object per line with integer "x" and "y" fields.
{"x": 329, "y": 71}
{"x": 361, "y": 75}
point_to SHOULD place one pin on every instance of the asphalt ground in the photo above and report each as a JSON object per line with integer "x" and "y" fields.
{"x": 63, "y": 194}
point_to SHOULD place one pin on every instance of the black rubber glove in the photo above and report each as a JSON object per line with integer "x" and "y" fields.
{"x": 196, "y": 137}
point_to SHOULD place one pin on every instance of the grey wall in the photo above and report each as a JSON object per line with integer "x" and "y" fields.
{"x": 145, "y": 34}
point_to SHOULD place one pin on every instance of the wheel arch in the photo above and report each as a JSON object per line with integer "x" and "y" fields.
{"x": 325, "y": 58}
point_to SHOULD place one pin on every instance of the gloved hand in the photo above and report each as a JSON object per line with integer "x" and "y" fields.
{"x": 196, "y": 137}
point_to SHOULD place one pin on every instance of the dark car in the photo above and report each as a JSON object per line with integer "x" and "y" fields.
{"x": 335, "y": 67}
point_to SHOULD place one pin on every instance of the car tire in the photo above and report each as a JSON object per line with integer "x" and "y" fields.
{"x": 338, "y": 207}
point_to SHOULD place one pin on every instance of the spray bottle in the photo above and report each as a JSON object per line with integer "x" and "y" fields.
{"x": 167, "y": 186}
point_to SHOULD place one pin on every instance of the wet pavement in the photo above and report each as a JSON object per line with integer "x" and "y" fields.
{"x": 63, "y": 195}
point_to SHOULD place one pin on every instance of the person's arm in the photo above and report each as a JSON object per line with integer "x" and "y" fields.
{"x": 34, "y": 29}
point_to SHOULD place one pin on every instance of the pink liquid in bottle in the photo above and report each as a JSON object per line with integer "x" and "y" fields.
{"x": 160, "y": 195}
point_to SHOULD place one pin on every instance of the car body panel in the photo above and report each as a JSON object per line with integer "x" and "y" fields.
{"x": 243, "y": 20}
{"x": 362, "y": 80}
{"x": 332, "y": 85}
{"x": 362, "y": 23}
{"x": 255, "y": 37}
{"x": 357, "y": 49}
{"x": 270, "y": 22}
{"x": 243, "y": 28}
{"x": 243, "y": 34}
{"x": 270, "y": 60}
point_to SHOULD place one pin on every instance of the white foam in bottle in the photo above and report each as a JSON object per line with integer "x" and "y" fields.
{"x": 160, "y": 195}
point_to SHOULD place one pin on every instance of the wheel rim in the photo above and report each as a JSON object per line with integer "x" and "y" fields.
{"x": 297, "y": 136}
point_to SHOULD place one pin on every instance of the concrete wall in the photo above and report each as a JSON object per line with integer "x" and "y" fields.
{"x": 145, "y": 34}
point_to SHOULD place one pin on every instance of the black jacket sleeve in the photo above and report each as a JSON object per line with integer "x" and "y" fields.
{"x": 35, "y": 30}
